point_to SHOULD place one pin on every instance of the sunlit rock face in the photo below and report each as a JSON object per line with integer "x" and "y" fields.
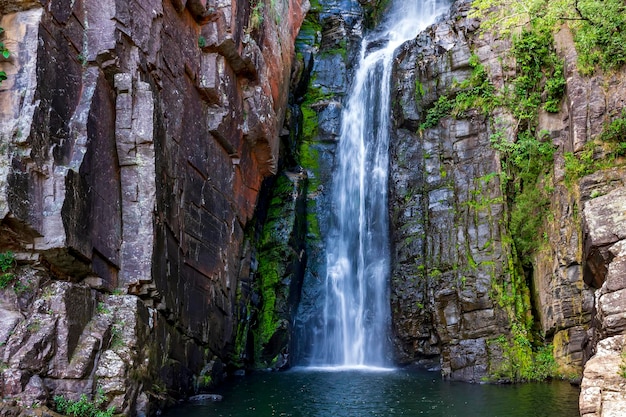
{"x": 134, "y": 139}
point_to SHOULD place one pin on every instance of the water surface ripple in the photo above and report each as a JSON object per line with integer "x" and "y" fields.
{"x": 306, "y": 393}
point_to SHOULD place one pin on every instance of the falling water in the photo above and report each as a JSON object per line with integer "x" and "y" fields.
{"x": 356, "y": 308}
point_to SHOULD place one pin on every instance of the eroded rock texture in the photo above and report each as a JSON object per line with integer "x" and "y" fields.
{"x": 454, "y": 262}
{"x": 447, "y": 214}
{"x": 135, "y": 137}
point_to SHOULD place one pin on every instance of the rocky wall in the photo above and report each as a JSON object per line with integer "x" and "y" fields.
{"x": 447, "y": 211}
{"x": 135, "y": 137}
{"x": 454, "y": 264}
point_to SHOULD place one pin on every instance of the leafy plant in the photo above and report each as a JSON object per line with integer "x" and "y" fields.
{"x": 522, "y": 361}
{"x": 441, "y": 108}
{"x": 597, "y": 25}
{"x": 524, "y": 163}
{"x": 83, "y": 407}
{"x": 614, "y": 133}
{"x": 475, "y": 92}
{"x": 117, "y": 339}
{"x": 539, "y": 75}
{"x": 102, "y": 308}
{"x": 7, "y": 264}
{"x": 585, "y": 162}
{"x": 4, "y": 52}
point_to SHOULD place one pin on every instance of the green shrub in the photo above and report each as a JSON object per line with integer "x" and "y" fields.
{"x": 614, "y": 133}
{"x": 476, "y": 92}
{"x": 83, "y": 407}
{"x": 599, "y": 35}
{"x": 4, "y": 52}
{"x": 7, "y": 264}
{"x": 522, "y": 361}
{"x": 441, "y": 108}
{"x": 597, "y": 25}
{"x": 539, "y": 80}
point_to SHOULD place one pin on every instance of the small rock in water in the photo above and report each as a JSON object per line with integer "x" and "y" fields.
{"x": 205, "y": 397}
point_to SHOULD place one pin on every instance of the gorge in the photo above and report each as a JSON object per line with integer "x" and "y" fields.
{"x": 166, "y": 196}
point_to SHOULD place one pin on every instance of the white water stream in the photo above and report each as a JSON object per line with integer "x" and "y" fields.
{"x": 356, "y": 314}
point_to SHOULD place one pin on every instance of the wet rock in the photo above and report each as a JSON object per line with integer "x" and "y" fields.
{"x": 206, "y": 397}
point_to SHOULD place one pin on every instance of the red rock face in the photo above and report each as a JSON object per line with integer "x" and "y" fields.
{"x": 135, "y": 155}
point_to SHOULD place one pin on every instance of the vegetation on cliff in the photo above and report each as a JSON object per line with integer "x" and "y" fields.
{"x": 5, "y": 54}
{"x": 7, "y": 264}
{"x": 597, "y": 25}
{"x": 83, "y": 407}
{"x": 525, "y": 178}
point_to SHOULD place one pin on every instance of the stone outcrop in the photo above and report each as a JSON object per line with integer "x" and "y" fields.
{"x": 453, "y": 256}
{"x": 604, "y": 381}
{"x": 135, "y": 137}
{"x": 447, "y": 213}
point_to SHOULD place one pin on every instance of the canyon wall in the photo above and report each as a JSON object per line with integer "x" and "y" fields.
{"x": 135, "y": 137}
{"x": 164, "y": 188}
{"x": 464, "y": 287}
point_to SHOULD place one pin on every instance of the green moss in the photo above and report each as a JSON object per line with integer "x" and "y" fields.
{"x": 274, "y": 255}
{"x": 313, "y": 228}
{"x": 241, "y": 337}
{"x": 340, "y": 49}
{"x": 476, "y": 92}
{"x": 309, "y": 122}
{"x": 374, "y": 13}
{"x": 419, "y": 89}
{"x": 310, "y": 33}
{"x": 269, "y": 267}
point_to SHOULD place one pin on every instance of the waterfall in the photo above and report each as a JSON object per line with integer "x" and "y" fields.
{"x": 356, "y": 311}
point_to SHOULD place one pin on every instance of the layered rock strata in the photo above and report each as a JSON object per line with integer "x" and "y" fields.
{"x": 135, "y": 137}
{"x": 447, "y": 212}
{"x": 453, "y": 255}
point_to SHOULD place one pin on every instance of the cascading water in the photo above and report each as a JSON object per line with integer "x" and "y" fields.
{"x": 356, "y": 312}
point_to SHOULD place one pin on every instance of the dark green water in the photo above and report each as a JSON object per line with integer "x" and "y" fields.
{"x": 395, "y": 393}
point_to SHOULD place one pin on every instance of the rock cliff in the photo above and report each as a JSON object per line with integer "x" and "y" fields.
{"x": 155, "y": 249}
{"x": 467, "y": 286}
{"x": 135, "y": 137}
